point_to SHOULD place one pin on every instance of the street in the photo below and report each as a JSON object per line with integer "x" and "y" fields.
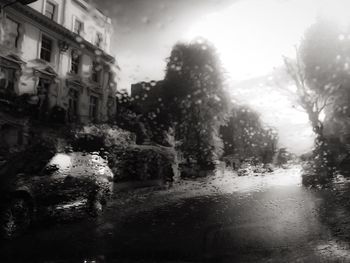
{"x": 225, "y": 218}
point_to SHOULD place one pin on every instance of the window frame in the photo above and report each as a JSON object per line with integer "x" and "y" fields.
{"x": 52, "y": 15}
{"x": 95, "y": 74}
{"x": 45, "y": 49}
{"x": 81, "y": 28}
{"x": 99, "y": 39}
{"x": 16, "y": 43}
{"x": 93, "y": 107}
{"x": 8, "y": 82}
{"x": 73, "y": 104}
{"x": 75, "y": 63}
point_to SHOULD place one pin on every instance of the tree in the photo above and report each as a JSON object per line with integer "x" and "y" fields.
{"x": 245, "y": 135}
{"x": 316, "y": 71}
{"x": 131, "y": 117}
{"x": 282, "y": 156}
{"x": 195, "y": 101}
{"x": 319, "y": 72}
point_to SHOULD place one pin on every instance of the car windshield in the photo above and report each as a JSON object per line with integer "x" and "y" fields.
{"x": 185, "y": 130}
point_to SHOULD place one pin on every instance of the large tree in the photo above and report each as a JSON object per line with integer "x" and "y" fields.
{"x": 319, "y": 72}
{"x": 195, "y": 100}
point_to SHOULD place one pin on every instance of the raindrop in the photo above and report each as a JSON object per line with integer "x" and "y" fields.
{"x": 341, "y": 37}
{"x": 146, "y": 20}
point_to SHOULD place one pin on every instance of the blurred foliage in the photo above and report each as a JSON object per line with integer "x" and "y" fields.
{"x": 190, "y": 110}
{"x": 195, "y": 102}
{"x": 325, "y": 53}
{"x": 245, "y": 135}
{"x": 282, "y": 157}
{"x": 100, "y": 137}
{"x": 133, "y": 118}
{"x": 184, "y": 110}
{"x": 128, "y": 161}
{"x": 321, "y": 77}
{"x": 143, "y": 162}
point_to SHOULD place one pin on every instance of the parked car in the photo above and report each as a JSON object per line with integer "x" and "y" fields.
{"x": 38, "y": 181}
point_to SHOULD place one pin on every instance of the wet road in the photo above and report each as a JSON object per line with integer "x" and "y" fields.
{"x": 226, "y": 218}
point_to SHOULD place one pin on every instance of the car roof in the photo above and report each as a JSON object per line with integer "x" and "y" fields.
{"x": 78, "y": 162}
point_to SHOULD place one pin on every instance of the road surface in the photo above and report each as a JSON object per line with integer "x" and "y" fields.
{"x": 225, "y": 218}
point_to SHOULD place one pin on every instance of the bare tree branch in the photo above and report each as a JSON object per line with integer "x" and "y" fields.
{"x": 326, "y": 103}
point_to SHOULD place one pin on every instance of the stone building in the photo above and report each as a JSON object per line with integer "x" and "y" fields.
{"x": 57, "y": 53}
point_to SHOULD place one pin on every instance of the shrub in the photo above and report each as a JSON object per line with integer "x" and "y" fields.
{"x": 318, "y": 171}
{"x": 101, "y": 137}
{"x": 143, "y": 162}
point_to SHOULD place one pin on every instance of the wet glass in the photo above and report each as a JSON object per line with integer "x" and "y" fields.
{"x": 206, "y": 130}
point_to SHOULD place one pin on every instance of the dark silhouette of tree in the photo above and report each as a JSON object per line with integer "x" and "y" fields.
{"x": 195, "y": 102}
{"x": 131, "y": 118}
{"x": 282, "y": 156}
{"x": 245, "y": 135}
{"x": 319, "y": 72}
{"x": 316, "y": 71}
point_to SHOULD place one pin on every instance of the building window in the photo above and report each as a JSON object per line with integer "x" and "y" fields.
{"x": 43, "y": 86}
{"x": 73, "y": 105}
{"x": 110, "y": 107}
{"x": 99, "y": 39}
{"x": 43, "y": 103}
{"x": 46, "y": 48}
{"x": 95, "y": 72}
{"x": 12, "y": 33}
{"x": 75, "y": 65}
{"x": 78, "y": 27}
{"x": 7, "y": 80}
{"x": 50, "y": 9}
{"x": 93, "y": 107}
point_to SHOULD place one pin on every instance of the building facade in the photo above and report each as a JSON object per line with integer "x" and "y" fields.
{"x": 57, "y": 53}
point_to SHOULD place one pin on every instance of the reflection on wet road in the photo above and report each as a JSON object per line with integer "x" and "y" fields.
{"x": 269, "y": 218}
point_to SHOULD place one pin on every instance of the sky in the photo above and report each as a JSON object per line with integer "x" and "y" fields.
{"x": 146, "y": 30}
{"x": 250, "y": 35}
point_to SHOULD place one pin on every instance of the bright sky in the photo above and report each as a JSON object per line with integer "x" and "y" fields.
{"x": 251, "y": 36}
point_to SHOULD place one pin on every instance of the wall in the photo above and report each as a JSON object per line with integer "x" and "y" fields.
{"x": 94, "y": 21}
{"x": 29, "y": 52}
